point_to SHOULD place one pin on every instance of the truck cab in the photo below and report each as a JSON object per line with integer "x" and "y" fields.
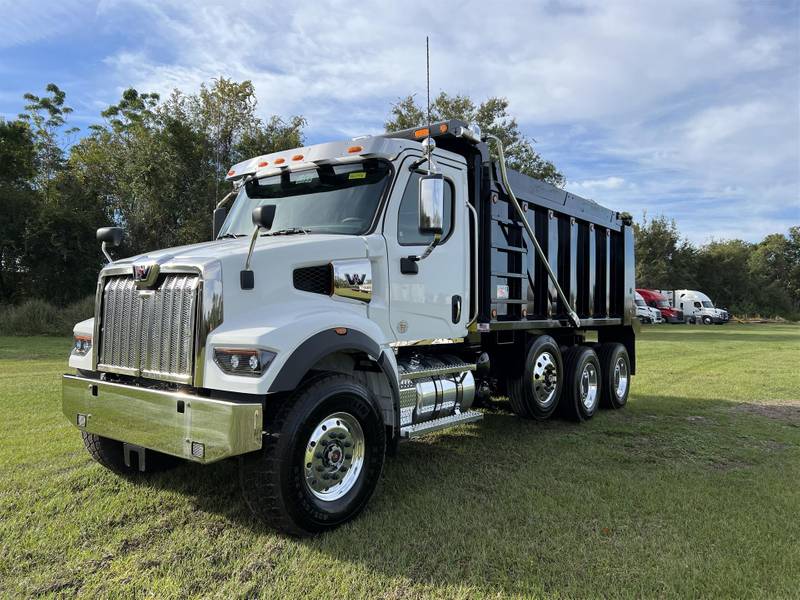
{"x": 698, "y": 307}
{"x": 354, "y": 294}
{"x": 655, "y": 299}
{"x": 646, "y": 314}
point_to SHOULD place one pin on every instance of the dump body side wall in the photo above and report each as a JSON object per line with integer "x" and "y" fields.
{"x": 586, "y": 245}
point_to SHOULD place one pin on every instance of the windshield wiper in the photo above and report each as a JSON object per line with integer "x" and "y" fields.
{"x": 230, "y": 235}
{"x": 288, "y": 231}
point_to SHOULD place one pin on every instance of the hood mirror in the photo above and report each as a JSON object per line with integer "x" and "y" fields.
{"x": 110, "y": 236}
{"x": 263, "y": 217}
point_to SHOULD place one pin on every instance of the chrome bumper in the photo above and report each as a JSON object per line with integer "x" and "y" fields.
{"x": 169, "y": 422}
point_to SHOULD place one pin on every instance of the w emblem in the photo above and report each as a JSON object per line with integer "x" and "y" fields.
{"x": 145, "y": 275}
{"x": 355, "y": 278}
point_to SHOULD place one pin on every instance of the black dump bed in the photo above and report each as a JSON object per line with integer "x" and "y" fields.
{"x": 589, "y": 247}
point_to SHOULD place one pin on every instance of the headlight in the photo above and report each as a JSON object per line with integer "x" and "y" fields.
{"x": 81, "y": 344}
{"x": 250, "y": 362}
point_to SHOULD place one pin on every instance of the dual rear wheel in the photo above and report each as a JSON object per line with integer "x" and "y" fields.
{"x": 576, "y": 382}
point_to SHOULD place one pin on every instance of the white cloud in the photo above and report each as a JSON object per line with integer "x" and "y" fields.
{"x": 653, "y": 105}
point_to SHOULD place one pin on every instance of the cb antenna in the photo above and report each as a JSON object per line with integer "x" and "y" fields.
{"x": 428, "y": 144}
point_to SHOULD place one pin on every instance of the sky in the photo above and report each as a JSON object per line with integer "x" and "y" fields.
{"x": 690, "y": 109}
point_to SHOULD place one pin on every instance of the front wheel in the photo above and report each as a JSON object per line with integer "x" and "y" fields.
{"x": 321, "y": 459}
{"x": 707, "y": 320}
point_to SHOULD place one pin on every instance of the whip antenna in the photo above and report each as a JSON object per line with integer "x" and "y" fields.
{"x": 428, "y": 144}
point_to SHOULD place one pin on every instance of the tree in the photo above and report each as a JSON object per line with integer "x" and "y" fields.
{"x": 663, "y": 259}
{"x": 491, "y": 116}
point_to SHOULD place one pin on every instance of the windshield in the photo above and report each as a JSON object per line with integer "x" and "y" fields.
{"x": 707, "y": 304}
{"x": 662, "y": 304}
{"x": 327, "y": 199}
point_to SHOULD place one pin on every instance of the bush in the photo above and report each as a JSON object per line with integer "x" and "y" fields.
{"x": 37, "y": 317}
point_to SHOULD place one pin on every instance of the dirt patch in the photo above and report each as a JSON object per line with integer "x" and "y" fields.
{"x": 786, "y": 411}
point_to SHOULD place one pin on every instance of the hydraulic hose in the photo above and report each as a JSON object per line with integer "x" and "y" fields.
{"x": 515, "y": 203}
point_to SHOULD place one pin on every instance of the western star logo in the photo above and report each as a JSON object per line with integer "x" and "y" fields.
{"x": 355, "y": 278}
{"x": 145, "y": 275}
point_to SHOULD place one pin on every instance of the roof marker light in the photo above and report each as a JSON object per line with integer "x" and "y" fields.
{"x": 421, "y": 133}
{"x": 354, "y": 149}
{"x": 263, "y": 163}
{"x": 297, "y": 157}
{"x": 231, "y": 173}
{"x": 443, "y": 128}
{"x": 280, "y": 161}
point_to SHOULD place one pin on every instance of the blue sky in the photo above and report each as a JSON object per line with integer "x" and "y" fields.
{"x": 686, "y": 108}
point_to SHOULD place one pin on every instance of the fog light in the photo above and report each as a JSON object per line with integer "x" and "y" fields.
{"x": 198, "y": 450}
{"x": 81, "y": 420}
{"x": 253, "y": 362}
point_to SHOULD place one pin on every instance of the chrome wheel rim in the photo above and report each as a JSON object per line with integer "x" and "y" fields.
{"x": 334, "y": 456}
{"x": 545, "y": 378}
{"x": 620, "y": 378}
{"x": 590, "y": 384}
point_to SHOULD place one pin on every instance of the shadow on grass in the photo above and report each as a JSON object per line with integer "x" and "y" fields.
{"x": 508, "y": 488}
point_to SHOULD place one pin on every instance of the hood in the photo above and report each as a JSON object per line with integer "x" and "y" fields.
{"x": 271, "y": 248}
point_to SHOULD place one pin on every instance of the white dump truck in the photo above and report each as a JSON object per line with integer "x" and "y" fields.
{"x": 354, "y": 294}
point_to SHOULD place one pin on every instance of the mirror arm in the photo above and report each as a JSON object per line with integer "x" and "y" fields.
{"x": 104, "y": 248}
{"x": 436, "y": 238}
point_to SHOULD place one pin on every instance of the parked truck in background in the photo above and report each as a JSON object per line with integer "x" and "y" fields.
{"x": 646, "y": 314}
{"x": 696, "y": 307}
{"x": 355, "y": 294}
{"x": 656, "y": 299}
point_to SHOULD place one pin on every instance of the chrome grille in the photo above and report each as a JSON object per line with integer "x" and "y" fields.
{"x": 149, "y": 332}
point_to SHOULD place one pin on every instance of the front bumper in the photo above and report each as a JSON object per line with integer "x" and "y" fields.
{"x": 170, "y": 422}
{"x": 674, "y": 319}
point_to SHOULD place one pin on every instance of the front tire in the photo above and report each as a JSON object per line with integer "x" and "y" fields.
{"x": 707, "y": 321}
{"x": 111, "y": 454}
{"x": 534, "y": 394}
{"x": 321, "y": 459}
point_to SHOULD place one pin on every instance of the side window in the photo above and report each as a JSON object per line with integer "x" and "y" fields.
{"x": 697, "y": 305}
{"x": 408, "y": 217}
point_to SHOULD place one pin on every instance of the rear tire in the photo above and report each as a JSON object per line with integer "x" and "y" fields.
{"x": 615, "y": 367}
{"x": 329, "y": 430}
{"x": 534, "y": 394}
{"x": 110, "y": 453}
{"x": 582, "y": 383}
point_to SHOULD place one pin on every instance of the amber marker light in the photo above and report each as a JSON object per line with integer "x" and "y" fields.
{"x": 231, "y": 173}
{"x": 297, "y": 157}
{"x": 280, "y": 161}
{"x": 354, "y": 149}
{"x": 263, "y": 163}
{"x": 421, "y": 133}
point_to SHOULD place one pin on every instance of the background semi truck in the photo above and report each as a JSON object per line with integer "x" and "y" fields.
{"x": 696, "y": 307}
{"x": 354, "y": 294}
{"x": 646, "y": 314}
{"x": 656, "y": 299}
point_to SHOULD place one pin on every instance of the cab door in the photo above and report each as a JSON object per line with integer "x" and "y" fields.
{"x": 433, "y": 302}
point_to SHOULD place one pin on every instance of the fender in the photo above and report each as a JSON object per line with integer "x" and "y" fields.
{"x": 327, "y": 342}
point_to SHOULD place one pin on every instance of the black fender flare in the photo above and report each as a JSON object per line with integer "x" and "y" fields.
{"x": 328, "y": 342}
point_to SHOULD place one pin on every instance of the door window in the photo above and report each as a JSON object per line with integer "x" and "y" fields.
{"x": 408, "y": 217}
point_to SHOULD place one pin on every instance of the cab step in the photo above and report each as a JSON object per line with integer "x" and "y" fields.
{"x": 411, "y": 431}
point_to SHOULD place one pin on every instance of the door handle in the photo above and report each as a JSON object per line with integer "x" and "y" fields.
{"x": 456, "y": 304}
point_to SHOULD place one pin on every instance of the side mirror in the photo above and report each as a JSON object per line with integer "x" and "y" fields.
{"x": 110, "y": 235}
{"x": 431, "y": 204}
{"x": 218, "y": 219}
{"x": 264, "y": 215}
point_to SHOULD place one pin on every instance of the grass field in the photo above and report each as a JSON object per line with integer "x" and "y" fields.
{"x": 692, "y": 490}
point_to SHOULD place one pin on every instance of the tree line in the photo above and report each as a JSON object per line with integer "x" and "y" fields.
{"x": 156, "y": 166}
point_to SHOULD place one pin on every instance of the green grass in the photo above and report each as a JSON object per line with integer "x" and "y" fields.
{"x": 692, "y": 490}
